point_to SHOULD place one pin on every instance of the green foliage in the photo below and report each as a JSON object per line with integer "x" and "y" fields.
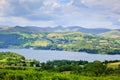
{"x": 96, "y": 67}
{"x": 111, "y": 34}
{"x": 10, "y": 55}
{"x": 45, "y": 75}
{"x": 18, "y": 68}
{"x": 69, "y": 41}
{"x": 13, "y": 59}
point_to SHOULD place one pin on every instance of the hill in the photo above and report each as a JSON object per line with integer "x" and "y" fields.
{"x": 10, "y": 59}
{"x": 27, "y": 37}
{"x": 4, "y": 56}
{"x": 111, "y": 34}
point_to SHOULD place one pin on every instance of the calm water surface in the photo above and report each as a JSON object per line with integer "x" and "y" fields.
{"x": 45, "y": 55}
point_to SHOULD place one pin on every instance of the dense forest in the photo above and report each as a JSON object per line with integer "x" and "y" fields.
{"x": 15, "y": 67}
{"x": 103, "y": 43}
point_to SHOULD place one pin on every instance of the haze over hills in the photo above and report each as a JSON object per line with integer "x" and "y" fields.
{"x": 57, "y": 29}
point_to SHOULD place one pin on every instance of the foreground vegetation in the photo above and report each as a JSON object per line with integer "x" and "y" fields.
{"x": 45, "y": 75}
{"x": 15, "y": 67}
{"x": 10, "y": 59}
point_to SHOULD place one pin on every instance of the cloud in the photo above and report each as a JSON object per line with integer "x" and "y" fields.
{"x": 108, "y": 8}
{"x": 86, "y": 13}
{"x": 24, "y": 22}
{"x": 4, "y": 7}
{"x": 106, "y": 4}
{"x": 24, "y": 7}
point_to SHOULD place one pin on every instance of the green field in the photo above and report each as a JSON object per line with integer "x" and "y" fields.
{"x": 15, "y": 67}
{"x": 114, "y": 65}
{"x": 6, "y": 74}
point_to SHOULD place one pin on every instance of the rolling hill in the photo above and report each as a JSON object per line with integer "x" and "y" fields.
{"x": 111, "y": 34}
{"x": 70, "y": 40}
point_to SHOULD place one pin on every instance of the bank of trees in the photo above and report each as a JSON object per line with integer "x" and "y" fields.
{"x": 95, "y": 68}
{"x": 62, "y": 70}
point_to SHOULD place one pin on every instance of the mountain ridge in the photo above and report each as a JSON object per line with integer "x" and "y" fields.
{"x": 59, "y": 29}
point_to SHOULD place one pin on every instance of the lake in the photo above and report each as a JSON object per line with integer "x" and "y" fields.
{"x": 46, "y": 55}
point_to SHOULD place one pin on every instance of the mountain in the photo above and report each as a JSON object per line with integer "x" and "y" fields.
{"x": 7, "y": 29}
{"x": 69, "y": 29}
{"x": 54, "y": 29}
{"x": 88, "y": 30}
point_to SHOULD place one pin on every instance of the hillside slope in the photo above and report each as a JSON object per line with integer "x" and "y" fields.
{"x": 111, "y": 34}
{"x": 20, "y": 37}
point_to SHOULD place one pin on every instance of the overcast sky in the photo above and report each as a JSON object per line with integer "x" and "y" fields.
{"x": 85, "y": 13}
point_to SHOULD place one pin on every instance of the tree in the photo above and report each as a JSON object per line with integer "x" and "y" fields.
{"x": 96, "y": 67}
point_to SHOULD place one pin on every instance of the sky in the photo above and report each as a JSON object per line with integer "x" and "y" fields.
{"x": 45, "y": 13}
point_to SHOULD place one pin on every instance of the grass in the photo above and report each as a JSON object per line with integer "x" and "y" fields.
{"x": 6, "y": 74}
{"x": 113, "y": 65}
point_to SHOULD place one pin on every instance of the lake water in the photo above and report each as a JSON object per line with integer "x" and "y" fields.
{"x": 45, "y": 55}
